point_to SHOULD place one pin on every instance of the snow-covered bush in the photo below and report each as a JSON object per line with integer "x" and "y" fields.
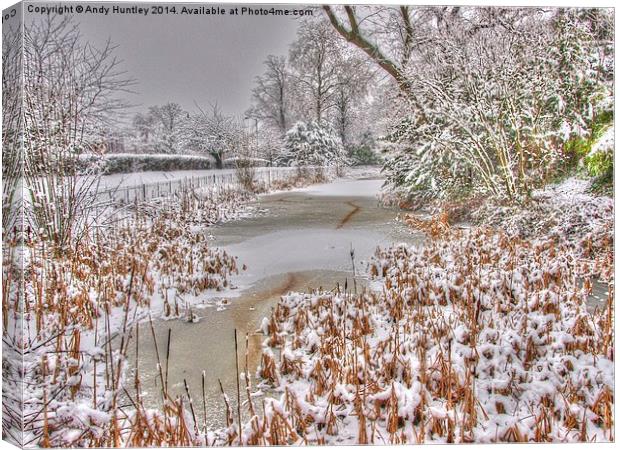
{"x": 128, "y": 162}
{"x": 364, "y": 153}
{"x": 498, "y": 95}
{"x": 312, "y": 144}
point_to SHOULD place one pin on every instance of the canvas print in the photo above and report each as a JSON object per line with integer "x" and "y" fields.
{"x": 255, "y": 224}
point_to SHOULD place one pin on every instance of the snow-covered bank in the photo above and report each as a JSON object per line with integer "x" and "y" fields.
{"x": 571, "y": 215}
{"x": 566, "y": 209}
{"x": 346, "y": 188}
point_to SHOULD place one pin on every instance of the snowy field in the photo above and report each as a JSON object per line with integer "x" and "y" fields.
{"x": 121, "y": 180}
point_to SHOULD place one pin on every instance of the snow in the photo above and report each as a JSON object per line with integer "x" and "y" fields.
{"x": 138, "y": 178}
{"x": 346, "y": 188}
{"x": 570, "y": 191}
{"x": 166, "y": 262}
{"x": 387, "y": 362}
{"x": 605, "y": 143}
{"x": 533, "y": 338}
{"x": 288, "y": 251}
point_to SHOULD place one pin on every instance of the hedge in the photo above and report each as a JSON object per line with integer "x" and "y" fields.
{"x": 127, "y": 162}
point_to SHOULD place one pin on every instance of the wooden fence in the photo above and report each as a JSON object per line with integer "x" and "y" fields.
{"x": 217, "y": 179}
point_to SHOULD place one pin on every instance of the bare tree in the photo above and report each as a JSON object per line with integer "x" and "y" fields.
{"x": 270, "y": 144}
{"x": 71, "y": 94}
{"x": 12, "y": 122}
{"x": 315, "y": 58}
{"x": 168, "y": 120}
{"x": 373, "y": 22}
{"x": 142, "y": 130}
{"x": 270, "y": 95}
{"x": 353, "y": 80}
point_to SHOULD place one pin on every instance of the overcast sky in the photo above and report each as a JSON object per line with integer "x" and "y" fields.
{"x": 183, "y": 59}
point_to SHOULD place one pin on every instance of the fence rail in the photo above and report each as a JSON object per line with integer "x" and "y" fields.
{"x": 215, "y": 179}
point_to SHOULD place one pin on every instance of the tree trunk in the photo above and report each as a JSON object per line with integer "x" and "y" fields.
{"x": 218, "y": 160}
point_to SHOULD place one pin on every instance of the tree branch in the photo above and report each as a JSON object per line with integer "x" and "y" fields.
{"x": 355, "y": 37}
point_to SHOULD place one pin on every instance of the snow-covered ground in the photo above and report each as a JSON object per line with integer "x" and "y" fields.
{"x": 566, "y": 209}
{"x": 139, "y": 178}
{"x": 122, "y": 180}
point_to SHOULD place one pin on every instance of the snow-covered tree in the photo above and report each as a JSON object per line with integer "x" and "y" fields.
{"x": 72, "y": 94}
{"x": 160, "y": 130}
{"x": 316, "y": 59}
{"x": 271, "y": 97}
{"x": 491, "y": 95}
{"x": 312, "y": 144}
{"x": 212, "y": 132}
{"x": 351, "y": 101}
{"x": 270, "y": 143}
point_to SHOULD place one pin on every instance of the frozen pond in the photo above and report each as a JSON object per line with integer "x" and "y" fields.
{"x": 312, "y": 229}
{"x": 300, "y": 240}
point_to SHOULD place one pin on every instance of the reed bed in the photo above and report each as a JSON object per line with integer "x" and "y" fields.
{"x": 80, "y": 307}
{"x": 72, "y": 313}
{"x": 474, "y": 337}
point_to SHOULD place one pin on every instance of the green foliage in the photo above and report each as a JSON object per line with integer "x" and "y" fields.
{"x": 363, "y": 153}
{"x": 582, "y": 151}
{"x": 600, "y": 164}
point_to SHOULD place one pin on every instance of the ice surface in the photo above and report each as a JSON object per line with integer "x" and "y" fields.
{"x": 350, "y": 188}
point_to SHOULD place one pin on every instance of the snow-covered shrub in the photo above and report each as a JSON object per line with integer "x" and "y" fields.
{"x": 420, "y": 166}
{"x": 364, "y": 153}
{"x": 312, "y": 144}
{"x": 494, "y": 106}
